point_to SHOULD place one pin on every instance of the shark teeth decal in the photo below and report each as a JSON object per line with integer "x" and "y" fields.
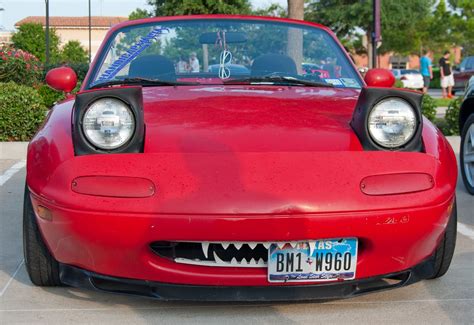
{"x": 205, "y": 249}
{"x": 211, "y": 250}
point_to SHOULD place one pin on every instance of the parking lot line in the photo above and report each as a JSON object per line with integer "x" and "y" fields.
{"x": 465, "y": 230}
{"x": 11, "y": 278}
{"x": 11, "y": 171}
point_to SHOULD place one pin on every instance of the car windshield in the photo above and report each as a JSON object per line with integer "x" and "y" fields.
{"x": 214, "y": 51}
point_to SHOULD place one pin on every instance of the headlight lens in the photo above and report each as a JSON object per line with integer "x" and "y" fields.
{"x": 108, "y": 123}
{"x": 392, "y": 123}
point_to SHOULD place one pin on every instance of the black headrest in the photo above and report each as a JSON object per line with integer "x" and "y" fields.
{"x": 152, "y": 67}
{"x": 273, "y": 63}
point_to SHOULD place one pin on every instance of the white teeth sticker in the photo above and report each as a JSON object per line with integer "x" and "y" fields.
{"x": 267, "y": 245}
{"x": 234, "y": 261}
{"x": 252, "y": 245}
{"x": 281, "y": 245}
{"x": 312, "y": 246}
{"x": 238, "y": 245}
{"x": 260, "y": 261}
{"x": 225, "y": 245}
{"x": 217, "y": 259}
{"x": 205, "y": 248}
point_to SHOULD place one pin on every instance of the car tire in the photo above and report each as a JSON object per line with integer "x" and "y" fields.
{"x": 468, "y": 179}
{"x": 41, "y": 266}
{"x": 445, "y": 251}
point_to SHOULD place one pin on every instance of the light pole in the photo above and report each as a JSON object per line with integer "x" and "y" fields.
{"x": 47, "y": 32}
{"x": 376, "y": 31}
{"x": 90, "y": 32}
{"x": 1, "y": 10}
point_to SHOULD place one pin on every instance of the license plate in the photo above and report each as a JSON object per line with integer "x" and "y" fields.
{"x": 313, "y": 261}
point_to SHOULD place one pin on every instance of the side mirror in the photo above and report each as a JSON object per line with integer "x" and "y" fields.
{"x": 62, "y": 79}
{"x": 379, "y": 78}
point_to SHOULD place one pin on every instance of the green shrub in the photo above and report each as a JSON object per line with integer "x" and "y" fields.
{"x": 442, "y": 125}
{"x": 452, "y": 117}
{"x": 19, "y": 66}
{"x": 398, "y": 84}
{"x": 21, "y": 112}
{"x": 49, "y": 95}
{"x": 428, "y": 107}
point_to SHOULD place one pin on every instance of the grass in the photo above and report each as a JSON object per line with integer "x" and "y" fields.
{"x": 443, "y": 102}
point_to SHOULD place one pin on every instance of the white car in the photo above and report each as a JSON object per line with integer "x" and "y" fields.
{"x": 410, "y": 78}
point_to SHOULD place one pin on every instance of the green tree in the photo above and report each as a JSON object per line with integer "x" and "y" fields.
{"x": 73, "y": 52}
{"x": 273, "y": 10}
{"x": 400, "y": 20}
{"x": 139, "y": 14}
{"x": 193, "y": 7}
{"x": 463, "y": 23}
{"x": 31, "y": 37}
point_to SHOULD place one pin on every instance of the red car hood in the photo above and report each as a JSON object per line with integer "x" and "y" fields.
{"x": 249, "y": 119}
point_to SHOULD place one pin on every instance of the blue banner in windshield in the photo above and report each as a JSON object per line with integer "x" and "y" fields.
{"x": 131, "y": 54}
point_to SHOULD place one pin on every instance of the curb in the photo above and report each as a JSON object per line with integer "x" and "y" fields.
{"x": 13, "y": 150}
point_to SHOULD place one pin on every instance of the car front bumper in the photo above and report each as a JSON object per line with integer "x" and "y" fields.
{"x": 118, "y": 244}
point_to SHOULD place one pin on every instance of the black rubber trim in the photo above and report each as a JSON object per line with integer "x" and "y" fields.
{"x": 132, "y": 97}
{"x": 368, "y": 98}
{"x": 77, "y": 277}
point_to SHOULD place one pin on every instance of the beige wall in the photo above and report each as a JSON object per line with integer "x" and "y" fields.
{"x": 82, "y": 35}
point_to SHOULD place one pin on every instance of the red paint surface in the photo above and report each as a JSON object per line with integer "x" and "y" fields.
{"x": 62, "y": 79}
{"x": 238, "y": 163}
{"x": 379, "y": 78}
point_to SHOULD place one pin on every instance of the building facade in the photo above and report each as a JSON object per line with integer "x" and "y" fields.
{"x": 77, "y": 28}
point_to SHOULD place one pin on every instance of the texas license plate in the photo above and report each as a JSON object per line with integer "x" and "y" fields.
{"x": 313, "y": 261}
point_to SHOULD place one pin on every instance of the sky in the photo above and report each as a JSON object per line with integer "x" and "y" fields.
{"x": 15, "y": 10}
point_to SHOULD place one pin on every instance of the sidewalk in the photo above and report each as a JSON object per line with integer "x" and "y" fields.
{"x": 441, "y": 112}
{"x": 13, "y": 150}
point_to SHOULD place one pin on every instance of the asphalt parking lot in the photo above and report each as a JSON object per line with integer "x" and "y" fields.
{"x": 446, "y": 300}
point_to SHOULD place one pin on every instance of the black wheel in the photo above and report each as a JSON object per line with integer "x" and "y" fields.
{"x": 445, "y": 251}
{"x": 42, "y": 268}
{"x": 467, "y": 154}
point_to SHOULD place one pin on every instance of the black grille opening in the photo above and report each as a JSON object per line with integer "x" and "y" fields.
{"x": 194, "y": 251}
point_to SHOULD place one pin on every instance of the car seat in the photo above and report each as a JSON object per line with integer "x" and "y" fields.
{"x": 276, "y": 64}
{"x": 152, "y": 67}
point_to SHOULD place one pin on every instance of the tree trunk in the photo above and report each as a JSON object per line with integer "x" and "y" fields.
{"x": 295, "y": 35}
{"x": 296, "y": 9}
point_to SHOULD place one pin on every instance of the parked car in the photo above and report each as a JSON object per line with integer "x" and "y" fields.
{"x": 463, "y": 73}
{"x": 466, "y": 126}
{"x": 410, "y": 78}
{"x": 315, "y": 69}
{"x": 233, "y": 188}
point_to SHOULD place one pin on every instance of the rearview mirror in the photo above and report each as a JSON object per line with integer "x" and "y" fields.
{"x": 379, "y": 78}
{"x": 62, "y": 79}
{"x": 230, "y": 37}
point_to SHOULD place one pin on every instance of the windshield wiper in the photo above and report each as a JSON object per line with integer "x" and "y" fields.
{"x": 278, "y": 80}
{"x": 142, "y": 82}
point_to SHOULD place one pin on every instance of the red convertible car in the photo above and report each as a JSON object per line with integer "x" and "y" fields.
{"x": 168, "y": 179}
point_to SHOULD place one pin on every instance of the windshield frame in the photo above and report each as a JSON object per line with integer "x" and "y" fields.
{"x": 114, "y": 30}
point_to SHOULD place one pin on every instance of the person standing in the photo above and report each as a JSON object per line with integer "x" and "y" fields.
{"x": 426, "y": 70}
{"x": 193, "y": 63}
{"x": 447, "y": 78}
{"x": 182, "y": 66}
